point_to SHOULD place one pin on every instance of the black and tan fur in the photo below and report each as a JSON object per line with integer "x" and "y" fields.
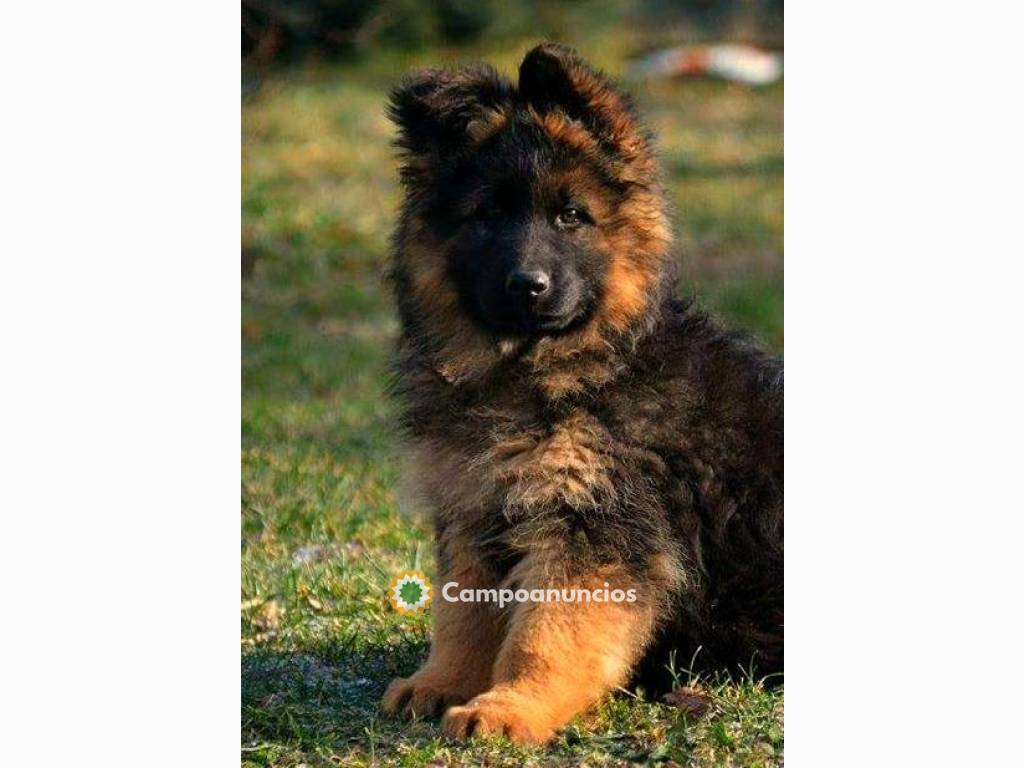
{"x": 635, "y": 444}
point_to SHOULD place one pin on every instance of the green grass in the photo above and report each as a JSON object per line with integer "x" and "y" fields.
{"x": 322, "y": 527}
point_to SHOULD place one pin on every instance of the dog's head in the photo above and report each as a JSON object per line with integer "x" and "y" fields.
{"x": 536, "y": 205}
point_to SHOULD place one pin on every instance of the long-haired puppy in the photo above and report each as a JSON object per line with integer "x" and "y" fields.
{"x": 572, "y": 426}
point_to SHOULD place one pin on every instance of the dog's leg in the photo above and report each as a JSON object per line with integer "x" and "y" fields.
{"x": 558, "y": 658}
{"x": 466, "y": 638}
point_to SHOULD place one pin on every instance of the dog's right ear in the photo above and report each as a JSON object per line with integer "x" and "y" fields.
{"x": 435, "y": 109}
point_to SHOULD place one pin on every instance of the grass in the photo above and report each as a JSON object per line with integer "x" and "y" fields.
{"x": 323, "y": 530}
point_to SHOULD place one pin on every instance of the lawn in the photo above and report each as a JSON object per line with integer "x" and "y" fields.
{"x": 323, "y": 526}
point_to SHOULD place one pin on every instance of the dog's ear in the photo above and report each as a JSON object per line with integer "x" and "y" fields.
{"x": 435, "y": 109}
{"x": 554, "y": 77}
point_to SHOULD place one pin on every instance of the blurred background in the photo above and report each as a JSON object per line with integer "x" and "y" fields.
{"x": 277, "y": 29}
{"x": 322, "y": 527}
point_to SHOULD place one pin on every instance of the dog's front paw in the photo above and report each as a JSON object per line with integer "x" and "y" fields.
{"x": 498, "y": 713}
{"x": 420, "y": 696}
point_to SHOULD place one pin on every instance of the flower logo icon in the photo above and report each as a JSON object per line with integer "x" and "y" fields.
{"x": 410, "y": 592}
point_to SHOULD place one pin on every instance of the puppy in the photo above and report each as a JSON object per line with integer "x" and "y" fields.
{"x": 572, "y": 427}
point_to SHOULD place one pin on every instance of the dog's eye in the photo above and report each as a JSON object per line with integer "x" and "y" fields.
{"x": 486, "y": 211}
{"x": 569, "y": 217}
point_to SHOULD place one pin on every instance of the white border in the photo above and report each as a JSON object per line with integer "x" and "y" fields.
{"x": 903, "y": 208}
{"x": 119, "y": 279}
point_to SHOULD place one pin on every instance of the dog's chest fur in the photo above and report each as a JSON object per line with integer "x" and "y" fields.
{"x": 513, "y": 460}
{"x": 515, "y": 465}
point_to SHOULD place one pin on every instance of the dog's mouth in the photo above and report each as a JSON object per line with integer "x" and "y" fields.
{"x": 552, "y": 322}
{"x": 540, "y": 324}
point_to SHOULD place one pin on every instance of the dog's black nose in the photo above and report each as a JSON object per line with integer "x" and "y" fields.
{"x": 532, "y": 283}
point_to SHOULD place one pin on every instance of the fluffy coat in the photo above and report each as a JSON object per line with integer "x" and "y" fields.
{"x": 640, "y": 447}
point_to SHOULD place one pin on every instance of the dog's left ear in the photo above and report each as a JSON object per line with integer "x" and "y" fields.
{"x": 554, "y": 77}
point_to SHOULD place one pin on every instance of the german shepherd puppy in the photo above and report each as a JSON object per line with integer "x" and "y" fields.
{"x": 572, "y": 426}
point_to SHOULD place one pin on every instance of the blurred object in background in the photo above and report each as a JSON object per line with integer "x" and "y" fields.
{"x": 753, "y": 22}
{"x": 737, "y": 63}
{"x": 276, "y": 31}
